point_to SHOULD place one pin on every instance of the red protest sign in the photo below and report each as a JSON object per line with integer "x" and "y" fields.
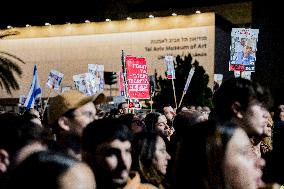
{"x": 137, "y": 78}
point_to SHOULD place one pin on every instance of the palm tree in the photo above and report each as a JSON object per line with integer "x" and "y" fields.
{"x": 9, "y": 67}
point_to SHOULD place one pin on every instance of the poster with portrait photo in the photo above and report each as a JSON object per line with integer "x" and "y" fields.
{"x": 218, "y": 79}
{"x": 97, "y": 72}
{"x": 54, "y": 80}
{"x": 169, "y": 60}
{"x": 243, "y": 49}
{"x": 85, "y": 83}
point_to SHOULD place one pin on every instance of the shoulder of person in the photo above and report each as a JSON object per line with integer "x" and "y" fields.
{"x": 134, "y": 182}
{"x": 147, "y": 186}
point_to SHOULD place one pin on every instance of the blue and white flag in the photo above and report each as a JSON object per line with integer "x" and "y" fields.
{"x": 35, "y": 91}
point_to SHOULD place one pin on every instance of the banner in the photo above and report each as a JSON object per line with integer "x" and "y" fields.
{"x": 54, "y": 80}
{"x": 243, "y": 49}
{"x": 190, "y": 74}
{"x": 137, "y": 78}
{"x": 169, "y": 60}
{"x": 85, "y": 83}
{"x": 97, "y": 72}
{"x": 135, "y": 104}
{"x": 218, "y": 79}
{"x": 246, "y": 75}
{"x": 22, "y": 99}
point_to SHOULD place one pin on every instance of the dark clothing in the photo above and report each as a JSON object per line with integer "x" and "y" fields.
{"x": 274, "y": 160}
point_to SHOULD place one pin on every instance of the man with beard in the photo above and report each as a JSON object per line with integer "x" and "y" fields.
{"x": 68, "y": 114}
{"x": 106, "y": 148}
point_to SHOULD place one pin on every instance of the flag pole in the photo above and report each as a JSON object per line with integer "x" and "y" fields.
{"x": 41, "y": 107}
{"x": 173, "y": 84}
{"x": 181, "y": 99}
{"x": 45, "y": 104}
{"x": 124, "y": 74}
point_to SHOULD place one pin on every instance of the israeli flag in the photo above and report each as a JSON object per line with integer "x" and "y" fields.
{"x": 35, "y": 91}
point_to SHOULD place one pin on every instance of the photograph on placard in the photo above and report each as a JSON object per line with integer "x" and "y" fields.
{"x": 243, "y": 49}
{"x": 169, "y": 60}
{"x": 97, "y": 72}
{"x": 54, "y": 80}
{"x": 85, "y": 83}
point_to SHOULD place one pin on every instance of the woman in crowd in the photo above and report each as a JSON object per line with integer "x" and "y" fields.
{"x": 220, "y": 157}
{"x": 157, "y": 122}
{"x": 150, "y": 158}
{"x": 263, "y": 144}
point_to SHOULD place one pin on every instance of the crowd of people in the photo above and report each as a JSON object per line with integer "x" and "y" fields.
{"x": 237, "y": 144}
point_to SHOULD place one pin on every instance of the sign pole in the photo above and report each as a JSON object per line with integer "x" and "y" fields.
{"x": 173, "y": 83}
{"x": 124, "y": 74}
{"x": 181, "y": 99}
{"x": 151, "y": 105}
{"x": 45, "y": 105}
{"x": 189, "y": 77}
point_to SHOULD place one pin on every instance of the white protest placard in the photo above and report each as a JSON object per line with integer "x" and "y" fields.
{"x": 169, "y": 60}
{"x": 135, "y": 104}
{"x": 243, "y": 49}
{"x": 190, "y": 74}
{"x": 85, "y": 83}
{"x": 97, "y": 72}
{"x": 237, "y": 74}
{"x": 22, "y": 99}
{"x": 218, "y": 78}
{"x": 246, "y": 75}
{"x": 54, "y": 80}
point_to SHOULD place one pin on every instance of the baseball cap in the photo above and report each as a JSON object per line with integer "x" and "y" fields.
{"x": 68, "y": 100}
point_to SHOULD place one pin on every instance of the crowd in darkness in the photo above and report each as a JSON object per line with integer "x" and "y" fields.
{"x": 236, "y": 144}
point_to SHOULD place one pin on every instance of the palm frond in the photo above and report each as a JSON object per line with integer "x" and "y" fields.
{"x": 11, "y": 64}
{"x": 7, "y": 77}
{"x": 4, "y": 34}
{"x": 9, "y": 67}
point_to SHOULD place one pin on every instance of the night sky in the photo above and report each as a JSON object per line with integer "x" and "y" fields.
{"x": 19, "y": 14}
